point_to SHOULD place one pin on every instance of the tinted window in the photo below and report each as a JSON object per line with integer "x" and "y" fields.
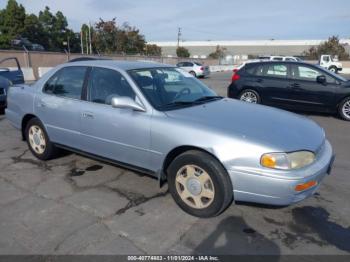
{"x": 276, "y": 70}
{"x": 277, "y": 58}
{"x": 256, "y": 70}
{"x": 188, "y": 64}
{"x": 68, "y": 82}
{"x": 105, "y": 84}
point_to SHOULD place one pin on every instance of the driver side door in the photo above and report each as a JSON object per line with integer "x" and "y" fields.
{"x": 307, "y": 93}
{"x": 119, "y": 134}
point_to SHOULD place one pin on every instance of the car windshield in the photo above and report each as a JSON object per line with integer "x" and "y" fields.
{"x": 171, "y": 88}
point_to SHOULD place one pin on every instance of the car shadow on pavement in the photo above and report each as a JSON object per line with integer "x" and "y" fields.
{"x": 233, "y": 236}
{"x": 317, "y": 220}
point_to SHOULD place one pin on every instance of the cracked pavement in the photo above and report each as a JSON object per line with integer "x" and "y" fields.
{"x": 76, "y": 205}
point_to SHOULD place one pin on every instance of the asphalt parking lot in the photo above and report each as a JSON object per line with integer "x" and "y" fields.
{"x": 76, "y": 205}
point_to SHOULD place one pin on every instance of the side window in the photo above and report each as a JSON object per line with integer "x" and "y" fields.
{"x": 180, "y": 64}
{"x": 50, "y": 84}
{"x": 276, "y": 70}
{"x": 256, "y": 70}
{"x": 67, "y": 82}
{"x": 104, "y": 84}
{"x": 309, "y": 74}
{"x": 188, "y": 64}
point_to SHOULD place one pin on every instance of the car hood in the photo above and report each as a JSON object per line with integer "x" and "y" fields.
{"x": 278, "y": 129}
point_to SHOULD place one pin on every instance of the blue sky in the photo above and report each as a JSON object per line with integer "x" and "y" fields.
{"x": 158, "y": 20}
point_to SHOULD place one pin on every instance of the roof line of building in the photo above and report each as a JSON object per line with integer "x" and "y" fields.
{"x": 247, "y": 43}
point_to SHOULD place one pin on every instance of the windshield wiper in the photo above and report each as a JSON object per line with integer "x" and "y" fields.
{"x": 189, "y": 103}
{"x": 179, "y": 103}
{"x": 208, "y": 98}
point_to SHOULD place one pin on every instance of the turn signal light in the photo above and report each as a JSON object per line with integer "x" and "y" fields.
{"x": 304, "y": 186}
{"x": 268, "y": 161}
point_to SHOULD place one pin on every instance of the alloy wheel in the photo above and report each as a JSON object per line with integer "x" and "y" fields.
{"x": 346, "y": 109}
{"x": 249, "y": 97}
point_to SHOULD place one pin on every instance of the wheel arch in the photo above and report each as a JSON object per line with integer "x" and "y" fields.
{"x": 180, "y": 150}
{"x": 24, "y": 123}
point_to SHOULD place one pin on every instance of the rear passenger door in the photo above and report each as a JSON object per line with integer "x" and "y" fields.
{"x": 275, "y": 84}
{"x": 59, "y": 105}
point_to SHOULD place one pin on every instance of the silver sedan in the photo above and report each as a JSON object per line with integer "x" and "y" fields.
{"x": 162, "y": 121}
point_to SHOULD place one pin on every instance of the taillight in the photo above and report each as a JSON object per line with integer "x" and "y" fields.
{"x": 235, "y": 77}
{"x": 202, "y": 68}
{"x": 235, "y": 70}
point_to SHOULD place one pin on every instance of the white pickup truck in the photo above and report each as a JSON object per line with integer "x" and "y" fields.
{"x": 326, "y": 61}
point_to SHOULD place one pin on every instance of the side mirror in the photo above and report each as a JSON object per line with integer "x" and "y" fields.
{"x": 321, "y": 79}
{"x": 126, "y": 102}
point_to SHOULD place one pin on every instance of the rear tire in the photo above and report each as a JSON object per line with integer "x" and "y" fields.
{"x": 38, "y": 141}
{"x": 333, "y": 69}
{"x": 199, "y": 184}
{"x": 344, "y": 109}
{"x": 250, "y": 96}
{"x": 193, "y": 73}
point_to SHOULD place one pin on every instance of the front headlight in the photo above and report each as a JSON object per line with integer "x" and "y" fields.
{"x": 287, "y": 161}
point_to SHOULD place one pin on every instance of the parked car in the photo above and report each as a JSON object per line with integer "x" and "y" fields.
{"x": 280, "y": 58}
{"x": 21, "y": 42}
{"x": 194, "y": 68}
{"x": 333, "y": 65}
{"x": 9, "y": 76}
{"x": 292, "y": 85}
{"x": 4, "y": 86}
{"x": 160, "y": 120}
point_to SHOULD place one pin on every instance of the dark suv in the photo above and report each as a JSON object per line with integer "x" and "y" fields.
{"x": 292, "y": 85}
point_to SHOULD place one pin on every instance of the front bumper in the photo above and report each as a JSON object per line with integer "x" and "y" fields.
{"x": 269, "y": 188}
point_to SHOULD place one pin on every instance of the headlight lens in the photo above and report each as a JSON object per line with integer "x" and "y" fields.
{"x": 287, "y": 161}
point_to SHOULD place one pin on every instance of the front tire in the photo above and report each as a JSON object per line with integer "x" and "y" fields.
{"x": 199, "y": 184}
{"x": 38, "y": 141}
{"x": 344, "y": 109}
{"x": 250, "y": 96}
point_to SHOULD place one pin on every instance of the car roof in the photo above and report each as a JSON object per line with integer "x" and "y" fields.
{"x": 118, "y": 64}
{"x": 280, "y": 62}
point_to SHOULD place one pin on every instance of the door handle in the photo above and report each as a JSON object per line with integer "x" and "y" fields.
{"x": 259, "y": 80}
{"x": 87, "y": 115}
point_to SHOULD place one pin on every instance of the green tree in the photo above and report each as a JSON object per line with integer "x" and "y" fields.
{"x": 182, "y": 52}
{"x": 11, "y": 23}
{"x": 109, "y": 38}
{"x": 330, "y": 47}
{"x": 105, "y": 37}
{"x": 153, "y": 50}
{"x": 33, "y": 29}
